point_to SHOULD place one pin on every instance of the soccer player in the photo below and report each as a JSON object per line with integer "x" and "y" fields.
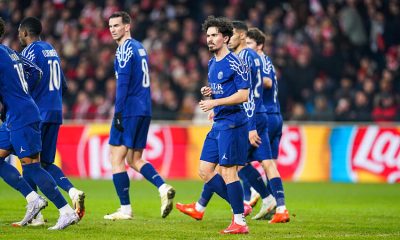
{"x": 255, "y": 40}
{"x": 20, "y": 134}
{"x": 258, "y": 120}
{"x": 47, "y": 95}
{"x": 132, "y": 117}
{"x": 257, "y": 127}
{"x": 226, "y": 143}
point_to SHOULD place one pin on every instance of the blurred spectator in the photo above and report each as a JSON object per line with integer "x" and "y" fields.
{"x": 385, "y": 109}
{"x": 362, "y": 107}
{"x": 343, "y": 111}
{"x": 322, "y": 110}
{"x": 298, "y": 113}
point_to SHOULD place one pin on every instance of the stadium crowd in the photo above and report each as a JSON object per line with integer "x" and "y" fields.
{"x": 336, "y": 60}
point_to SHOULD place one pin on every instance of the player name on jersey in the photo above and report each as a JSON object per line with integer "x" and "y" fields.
{"x": 49, "y": 53}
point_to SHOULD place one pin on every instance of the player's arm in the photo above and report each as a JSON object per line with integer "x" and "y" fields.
{"x": 267, "y": 71}
{"x": 237, "y": 98}
{"x": 124, "y": 74}
{"x": 32, "y": 72}
{"x": 120, "y": 98}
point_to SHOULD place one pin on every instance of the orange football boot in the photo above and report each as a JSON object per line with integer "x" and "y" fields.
{"x": 190, "y": 210}
{"x": 280, "y": 217}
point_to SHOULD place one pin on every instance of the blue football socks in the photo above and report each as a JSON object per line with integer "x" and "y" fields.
{"x": 121, "y": 183}
{"x": 206, "y": 195}
{"x": 45, "y": 183}
{"x": 235, "y": 195}
{"x": 151, "y": 175}
{"x": 61, "y": 180}
{"x": 277, "y": 190}
{"x": 254, "y": 178}
{"x": 12, "y": 177}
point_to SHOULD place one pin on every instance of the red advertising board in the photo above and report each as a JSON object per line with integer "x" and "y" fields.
{"x": 375, "y": 153}
{"x": 84, "y": 151}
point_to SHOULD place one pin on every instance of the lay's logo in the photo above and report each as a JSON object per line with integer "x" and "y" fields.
{"x": 290, "y": 160}
{"x": 375, "y": 155}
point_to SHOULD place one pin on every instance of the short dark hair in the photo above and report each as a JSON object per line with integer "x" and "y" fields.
{"x": 32, "y": 25}
{"x": 126, "y": 19}
{"x": 223, "y": 25}
{"x": 240, "y": 25}
{"x": 2, "y": 27}
{"x": 257, "y": 35}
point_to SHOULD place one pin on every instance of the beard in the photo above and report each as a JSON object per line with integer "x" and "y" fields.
{"x": 213, "y": 49}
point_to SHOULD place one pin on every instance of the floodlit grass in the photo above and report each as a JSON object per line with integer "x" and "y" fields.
{"x": 319, "y": 211}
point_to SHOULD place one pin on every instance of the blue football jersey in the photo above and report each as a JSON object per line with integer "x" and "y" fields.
{"x": 255, "y": 103}
{"x": 14, "y": 91}
{"x": 48, "y": 93}
{"x": 133, "y": 80}
{"x": 270, "y": 96}
{"x": 226, "y": 77}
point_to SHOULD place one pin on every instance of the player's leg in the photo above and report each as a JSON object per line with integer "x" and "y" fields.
{"x": 167, "y": 192}
{"x": 233, "y": 154}
{"x": 12, "y": 177}
{"x": 121, "y": 183}
{"x": 254, "y": 177}
{"x": 213, "y": 181}
{"x": 246, "y": 189}
{"x": 27, "y": 145}
{"x": 270, "y": 167}
{"x": 49, "y": 133}
{"x": 138, "y": 127}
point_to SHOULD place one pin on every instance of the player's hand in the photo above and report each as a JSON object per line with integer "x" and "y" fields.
{"x": 117, "y": 121}
{"x": 254, "y": 139}
{"x": 207, "y": 105}
{"x": 210, "y": 116}
{"x": 206, "y": 91}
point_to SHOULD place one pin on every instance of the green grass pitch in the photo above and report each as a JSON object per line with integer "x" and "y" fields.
{"x": 319, "y": 211}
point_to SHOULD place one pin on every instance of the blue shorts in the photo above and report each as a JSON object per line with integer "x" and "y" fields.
{"x": 134, "y": 134}
{"x": 226, "y": 147}
{"x": 23, "y": 142}
{"x": 263, "y": 152}
{"x": 275, "y": 124}
{"x": 49, "y": 141}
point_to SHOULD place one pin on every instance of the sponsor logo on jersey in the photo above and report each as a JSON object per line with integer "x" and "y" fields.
{"x": 217, "y": 88}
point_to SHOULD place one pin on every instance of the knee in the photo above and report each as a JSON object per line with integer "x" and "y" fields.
{"x": 270, "y": 168}
{"x": 229, "y": 174}
{"x": 205, "y": 174}
{"x": 136, "y": 163}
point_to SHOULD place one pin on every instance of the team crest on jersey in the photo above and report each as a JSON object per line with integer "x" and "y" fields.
{"x": 220, "y": 75}
{"x": 124, "y": 53}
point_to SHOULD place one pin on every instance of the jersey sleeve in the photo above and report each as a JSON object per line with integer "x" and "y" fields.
{"x": 125, "y": 57}
{"x": 32, "y": 72}
{"x": 249, "y": 106}
{"x": 268, "y": 68}
{"x": 241, "y": 74}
